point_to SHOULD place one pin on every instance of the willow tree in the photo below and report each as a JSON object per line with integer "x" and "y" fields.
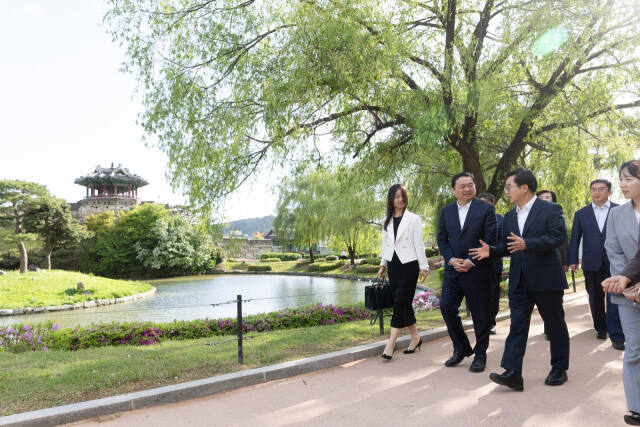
{"x": 231, "y": 86}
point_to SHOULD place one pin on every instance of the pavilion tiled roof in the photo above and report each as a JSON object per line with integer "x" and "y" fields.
{"x": 113, "y": 175}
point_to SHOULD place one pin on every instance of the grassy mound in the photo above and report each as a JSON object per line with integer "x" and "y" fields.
{"x": 56, "y": 287}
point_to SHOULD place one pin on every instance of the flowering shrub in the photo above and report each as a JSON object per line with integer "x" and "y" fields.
{"x": 426, "y": 301}
{"x": 146, "y": 333}
{"x": 20, "y": 338}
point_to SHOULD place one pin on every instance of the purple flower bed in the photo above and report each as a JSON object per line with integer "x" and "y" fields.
{"x": 426, "y": 301}
{"x": 148, "y": 333}
{"x": 20, "y": 338}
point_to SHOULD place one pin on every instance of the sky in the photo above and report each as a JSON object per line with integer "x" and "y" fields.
{"x": 65, "y": 107}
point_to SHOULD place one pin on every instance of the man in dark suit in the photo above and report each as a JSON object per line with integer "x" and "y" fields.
{"x": 590, "y": 225}
{"x": 462, "y": 225}
{"x": 494, "y": 285}
{"x": 533, "y": 230}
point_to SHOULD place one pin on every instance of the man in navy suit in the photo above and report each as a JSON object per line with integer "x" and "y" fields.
{"x": 590, "y": 225}
{"x": 494, "y": 285}
{"x": 462, "y": 225}
{"x": 533, "y": 230}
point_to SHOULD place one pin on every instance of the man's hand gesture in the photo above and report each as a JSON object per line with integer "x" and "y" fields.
{"x": 516, "y": 243}
{"x": 480, "y": 253}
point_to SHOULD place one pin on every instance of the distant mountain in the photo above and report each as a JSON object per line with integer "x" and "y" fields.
{"x": 251, "y": 225}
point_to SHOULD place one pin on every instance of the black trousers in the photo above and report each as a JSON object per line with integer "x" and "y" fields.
{"x": 592, "y": 281}
{"x": 494, "y": 296}
{"x": 403, "y": 279}
{"x": 477, "y": 297}
{"x": 521, "y": 302}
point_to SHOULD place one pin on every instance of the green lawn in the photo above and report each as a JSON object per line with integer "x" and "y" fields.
{"x": 43, "y": 288}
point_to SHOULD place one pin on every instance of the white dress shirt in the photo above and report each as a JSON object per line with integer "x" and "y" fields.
{"x": 637, "y": 215}
{"x": 462, "y": 213}
{"x": 601, "y": 213}
{"x": 523, "y": 213}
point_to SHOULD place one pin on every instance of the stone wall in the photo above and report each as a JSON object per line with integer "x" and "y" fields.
{"x": 97, "y": 205}
{"x": 247, "y": 249}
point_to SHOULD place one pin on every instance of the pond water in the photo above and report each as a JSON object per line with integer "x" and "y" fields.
{"x": 187, "y": 298}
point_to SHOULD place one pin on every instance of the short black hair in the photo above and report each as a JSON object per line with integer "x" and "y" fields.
{"x": 524, "y": 176}
{"x": 460, "y": 175}
{"x": 487, "y": 196}
{"x": 554, "y": 198}
{"x": 601, "y": 181}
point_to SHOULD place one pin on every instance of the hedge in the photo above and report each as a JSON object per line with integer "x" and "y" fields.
{"x": 258, "y": 267}
{"x": 287, "y": 256}
{"x": 331, "y": 258}
{"x": 373, "y": 261}
{"x": 269, "y": 259}
{"x": 326, "y": 266}
{"x": 46, "y": 336}
{"x": 367, "y": 268}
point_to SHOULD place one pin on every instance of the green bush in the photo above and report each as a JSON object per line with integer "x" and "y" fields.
{"x": 430, "y": 252}
{"x": 269, "y": 259}
{"x": 367, "y": 268}
{"x": 441, "y": 273}
{"x": 373, "y": 261}
{"x": 258, "y": 267}
{"x": 326, "y": 266}
{"x": 287, "y": 256}
{"x": 331, "y": 258}
{"x": 268, "y": 255}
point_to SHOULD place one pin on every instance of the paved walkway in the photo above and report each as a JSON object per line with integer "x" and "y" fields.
{"x": 418, "y": 390}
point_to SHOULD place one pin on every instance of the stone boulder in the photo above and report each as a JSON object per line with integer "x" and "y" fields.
{"x": 2, "y": 273}
{"x": 33, "y": 267}
{"x": 80, "y": 286}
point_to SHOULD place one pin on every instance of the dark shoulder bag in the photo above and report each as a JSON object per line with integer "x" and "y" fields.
{"x": 377, "y": 295}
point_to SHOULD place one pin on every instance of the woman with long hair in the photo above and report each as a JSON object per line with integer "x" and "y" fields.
{"x": 403, "y": 255}
{"x": 622, "y": 244}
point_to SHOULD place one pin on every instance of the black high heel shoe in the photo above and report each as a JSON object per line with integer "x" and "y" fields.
{"x": 413, "y": 350}
{"x": 387, "y": 356}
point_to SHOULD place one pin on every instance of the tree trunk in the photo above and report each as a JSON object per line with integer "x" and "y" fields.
{"x": 352, "y": 254}
{"x": 49, "y": 259}
{"x": 23, "y": 256}
{"x": 311, "y": 253}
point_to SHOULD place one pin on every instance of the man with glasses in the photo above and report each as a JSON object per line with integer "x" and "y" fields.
{"x": 462, "y": 225}
{"x": 533, "y": 230}
{"x": 590, "y": 226}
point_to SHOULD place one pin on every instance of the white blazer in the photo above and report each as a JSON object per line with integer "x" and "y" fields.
{"x": 408, "y": 245}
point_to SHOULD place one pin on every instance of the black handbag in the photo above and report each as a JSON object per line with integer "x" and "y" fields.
{"x": 378, "y": 296}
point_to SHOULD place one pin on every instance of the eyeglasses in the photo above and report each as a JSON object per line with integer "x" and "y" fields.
{"x": 600, "y": 190}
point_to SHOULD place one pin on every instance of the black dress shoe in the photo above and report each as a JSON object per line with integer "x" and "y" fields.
{"x": 547, "y": 337}
{"x": 456, "y": 358}
{"x": 556, "y": 377}
{"x": 477, "y": 365}
{"x": 618, "y": 345}
{"x": 633, "y": 419}
{"x": 511, "y": 379}
{"x": 601, "y": 335}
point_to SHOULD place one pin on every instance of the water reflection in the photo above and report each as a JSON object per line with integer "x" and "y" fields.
{"x": 188, "y": 298}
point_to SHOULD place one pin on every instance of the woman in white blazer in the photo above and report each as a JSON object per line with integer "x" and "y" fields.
{"x": 403, "y": 255}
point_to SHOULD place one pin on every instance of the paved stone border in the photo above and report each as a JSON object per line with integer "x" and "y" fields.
{"x": 218, "y": 384}
{"x": 77, "y": 305}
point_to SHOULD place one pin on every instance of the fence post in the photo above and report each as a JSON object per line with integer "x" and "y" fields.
{"x": 240, "y": 356}
{"x": 381, "y": 320}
